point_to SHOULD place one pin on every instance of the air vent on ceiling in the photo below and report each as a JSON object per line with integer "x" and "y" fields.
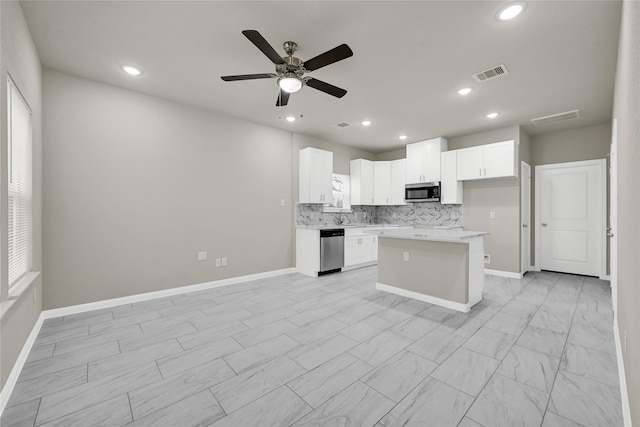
{"x": 567, "y": 115}
{"x": 491, "y": 73}
{"x": 342, "y": 125}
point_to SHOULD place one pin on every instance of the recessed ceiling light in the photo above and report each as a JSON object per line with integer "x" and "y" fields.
{"x": 291, "y": 119}
{"x": 464, "y": 91}
{"x": 366, "y": 122}
{"x": 133, "y": 71}
{"x": 403, "y": 137}
{"x": 492, "y": 115}
{"x": 510, "y": 11}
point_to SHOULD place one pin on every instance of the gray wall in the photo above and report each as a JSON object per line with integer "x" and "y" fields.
{"x": 585, "y": 143}
{"x": 501, "y": 196}
{"x": 135, "y": 186}
{"x": 20, "y": 59}
{"x": 626, "y": 110}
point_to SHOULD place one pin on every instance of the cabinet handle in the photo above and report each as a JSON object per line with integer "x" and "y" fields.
{"x": 480, "y": 172}
{"x": 485, "y": 171}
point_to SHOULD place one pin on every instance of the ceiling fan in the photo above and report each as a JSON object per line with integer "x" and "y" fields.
{"x": 290, "y": 70}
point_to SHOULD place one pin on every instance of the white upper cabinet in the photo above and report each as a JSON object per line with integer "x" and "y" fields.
{"x": 315, "y": 175}
{"x": 361, "y": 175}
{"x": 450, "y": 187}
{"x": 497, "y": 160}
{"x": 470, "y": 163}
{"x": 423, "y": 160}
{"x": 398, "y": 181}
{"x": 381, "y": 183}
{"x": 501, "y": 160}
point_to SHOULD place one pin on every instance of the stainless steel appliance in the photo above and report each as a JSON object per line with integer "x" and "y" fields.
{"x": 331, "y": 250}
{"x": 423, "y": 192}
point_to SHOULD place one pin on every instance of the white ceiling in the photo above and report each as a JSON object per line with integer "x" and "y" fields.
{"x": 409, "y": 60}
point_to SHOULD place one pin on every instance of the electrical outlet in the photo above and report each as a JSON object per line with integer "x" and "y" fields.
{"x": 487, "y": 259}
{"x": 217, "y": 262}
{"x": 202, "y": 256}
{"x": 224, "y": 261}
{"x": 492, "y": 215}
{"x": 281, "y": 202}
{"x": 405, "y": 256}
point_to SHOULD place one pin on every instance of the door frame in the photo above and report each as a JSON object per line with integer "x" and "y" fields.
{"x": 525, "y": 217}
{"x": 602, "y": 164}
{"x": 613, "y": 215}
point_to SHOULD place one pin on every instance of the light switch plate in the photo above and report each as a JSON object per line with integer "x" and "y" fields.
{"x": 492, "y": 215}
{"x": 224, "y": 261}
{"x": 202, "y": 256}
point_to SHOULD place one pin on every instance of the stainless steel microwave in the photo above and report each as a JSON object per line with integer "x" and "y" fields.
{"x": 423, "y": 192}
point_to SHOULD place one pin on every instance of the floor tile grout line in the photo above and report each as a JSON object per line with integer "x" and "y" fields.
{"x": 35, "y": 419}
{"x": 501, "y": 361}
{"x": 130, "y": 407}
{"x": 564, "y": 348}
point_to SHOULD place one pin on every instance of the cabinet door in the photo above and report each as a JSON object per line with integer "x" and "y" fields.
{"x": 414, "y": 163}
{"x": 500, "y": 160}
{"x": 366, "y": 248}
{"x": 450, "y": 187}
{"x": 431, "y": 158}
{"x": 469, "y": 163}
{"x": 361, "y": 182}
{"x": 398, "y": 181}
{"x": 315, "y": 175}
{"x": 375, "y": 249}
{"x": 352, "y": 254}
{"x": 381, "y": 183}
{"x": 322, "y": 175}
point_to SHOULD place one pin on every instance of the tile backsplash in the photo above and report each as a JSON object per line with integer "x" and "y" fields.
{"x": 410, "y": 214}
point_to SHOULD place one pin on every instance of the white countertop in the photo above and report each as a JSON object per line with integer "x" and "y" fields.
{"x": 338, "y": 226}
{"x": 428, "y": 234}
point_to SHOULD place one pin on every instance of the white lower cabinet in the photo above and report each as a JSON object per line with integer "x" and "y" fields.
{"x": 359, "y": 248}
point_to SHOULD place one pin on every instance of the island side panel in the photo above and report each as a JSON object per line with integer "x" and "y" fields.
{"x": 435, "y": 268}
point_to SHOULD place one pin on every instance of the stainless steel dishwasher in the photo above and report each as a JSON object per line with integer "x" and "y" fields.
{"x": 331, "y": 250}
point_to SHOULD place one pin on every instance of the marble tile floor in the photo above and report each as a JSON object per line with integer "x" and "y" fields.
{"x": 333, "y": 350}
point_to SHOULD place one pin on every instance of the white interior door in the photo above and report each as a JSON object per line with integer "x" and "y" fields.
{"x": 525, "y": 217}
{"x": 613, "y": 215}
{"x": 570, "y": 212}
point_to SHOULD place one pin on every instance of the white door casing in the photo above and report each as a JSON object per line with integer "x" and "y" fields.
{"x": 613, "y": 215}
{"x": 525, "y": 217}
{"x": 570, "y": 217}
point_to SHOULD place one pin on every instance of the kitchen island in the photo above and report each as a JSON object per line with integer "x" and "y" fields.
{"x": 442, "y": 267}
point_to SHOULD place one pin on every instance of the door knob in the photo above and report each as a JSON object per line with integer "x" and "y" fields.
{"x": 544, "y": 224}
{"x": 525, "y": 225}
{"x": 609, "y": 234}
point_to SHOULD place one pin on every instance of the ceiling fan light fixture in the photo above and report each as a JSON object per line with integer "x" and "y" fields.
{"x": 290, "y": 83}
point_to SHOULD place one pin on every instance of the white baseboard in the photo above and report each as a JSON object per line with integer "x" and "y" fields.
{"x": 356, "y": 266}
{"x": 503, "y": 273}
{"x": 624, "y": 396}
{"x": 424, "y": 298}
{"x": 81, "y": 308}
{"x": 18, "y": 365}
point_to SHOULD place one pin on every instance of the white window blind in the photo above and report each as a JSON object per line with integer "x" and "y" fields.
{"x": 19, "y": 191}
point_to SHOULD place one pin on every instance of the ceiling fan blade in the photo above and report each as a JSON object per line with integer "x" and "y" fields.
{"x": 247, "y": 77}
{"x": 283, "y": 98}
{"x": 326, "y": 88}
{"x": 329, "y": 57}
{"x": 264, "y": 46}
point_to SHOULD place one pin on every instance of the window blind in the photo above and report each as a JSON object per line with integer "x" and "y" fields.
{"x": 19, "y": 183}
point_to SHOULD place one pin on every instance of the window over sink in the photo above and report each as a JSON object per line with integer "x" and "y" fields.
{"x": 340, "y": 200}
